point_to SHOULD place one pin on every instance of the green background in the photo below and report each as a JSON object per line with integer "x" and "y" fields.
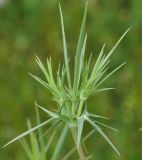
{"x": 30, "y": 27}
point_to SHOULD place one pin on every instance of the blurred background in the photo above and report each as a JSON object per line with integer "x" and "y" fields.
{"x": 30, "y": 27}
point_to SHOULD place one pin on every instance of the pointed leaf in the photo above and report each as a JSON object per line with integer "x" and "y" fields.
{"x": 88, "y": 135}
{"x": 107, "y": 126}
{"x": 101, "y": 90}
{"x": 80, "y": 65}
{"x": 96, "y": 116}
{"x": 49, "y": 142}
{"x": 110, "y": 74}
{"x": 46, "y": 85}
{"x": 52, "y": 114}
{"x": 65, "y": 49}
{"x": 42, "y": 68}
{"x": 60, "y": 143}
{"x": 26, "y": 148}
{"x": 99, "y": 59}
{"x": 79, "y": 48}
{"x": 50, "y": 128}
{"x": 49, "y": 66}
{"x": 102, "y": 134}
{"x": 80, "y": 129}
{"x": 112, "y": 50}
{"x": 41, "y": 143}
{"x": 29, "y": 131}
{"x": 33, "y": 142}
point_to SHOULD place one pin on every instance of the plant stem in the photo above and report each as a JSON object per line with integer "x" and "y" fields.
{"x": 73, "y": 108}
{"x": 79, "y": 149}
{"x": 80, "y": 108}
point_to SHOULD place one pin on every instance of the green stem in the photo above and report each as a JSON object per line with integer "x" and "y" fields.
{"x": 80, "y": 108}
{"x": 79, "y": 149}
{"x": 73, "y": 108}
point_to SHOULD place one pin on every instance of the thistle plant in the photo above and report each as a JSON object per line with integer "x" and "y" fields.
{"x": 71, "y": 93}
{"x": 38, "y": 147}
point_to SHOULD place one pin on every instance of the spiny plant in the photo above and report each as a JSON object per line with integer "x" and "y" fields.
{"x": 38, "y": 148}
{"x": 71, "y": 94}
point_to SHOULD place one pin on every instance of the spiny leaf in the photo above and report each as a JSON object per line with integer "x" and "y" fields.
{"x": 85, "y": 73}
{"x": 49, "y": 129}
{"x": 106, "y": 126}
{"x": 52, "y": 114}
{"x": 49, "y": 142}
{"x": 46, "y": 85}
{"x": 95, "y": 72}
{"x": 115, "y": 46}
{"x": 81, "y": 61}
{"x": 101, "y": 90}
{"x": 26, "y": 148}
{"x": 42, "y": 68}
{"x": 98, "y": 60}
{"x": 98, "y": 78}
{"x": 107, "y": 76}
{"x": 66, "y": 59}
{"x": 102, "y": 134}
{"x": 60, "y": 143}
{"x": 34, "y": 143}
{"x": 89, "y": 135}
{"x": 95, "y": 115}
{"x": 41, "y": 142}
{"x": 49, "y": 66}
{"x": 79, "y": 48}
{"x": 29, "y": 131}
{"x": 105, "y": 59}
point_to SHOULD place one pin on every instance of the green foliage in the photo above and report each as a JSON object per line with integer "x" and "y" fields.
{"x": 32, "y": 27}
{"x": 39, "y": 148}
{"x": 72, "y": 97}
